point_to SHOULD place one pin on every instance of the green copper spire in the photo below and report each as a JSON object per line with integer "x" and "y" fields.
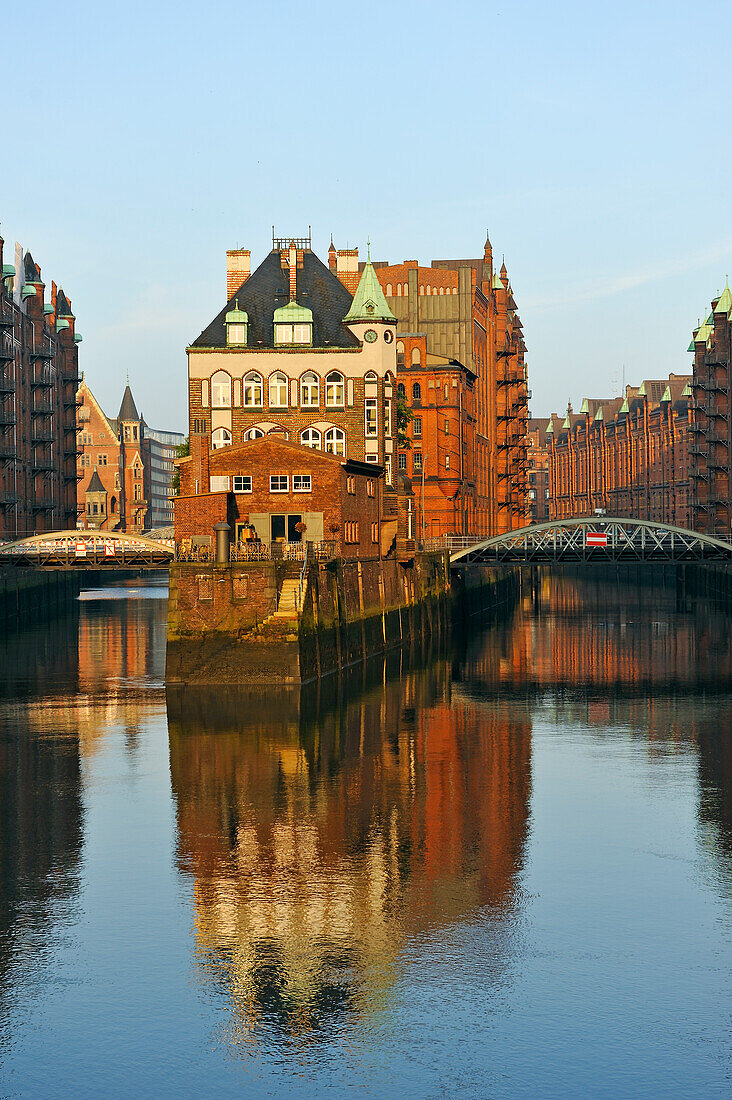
{"x": 599, "y": 415}
{"x": 369, "y": 302}
{"x": 725, "y": 300}
{"x": 624, "y": 407}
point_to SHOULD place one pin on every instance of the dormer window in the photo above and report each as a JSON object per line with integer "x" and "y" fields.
{"x": 293, "y": 324}
{"x": 237, "y": 322}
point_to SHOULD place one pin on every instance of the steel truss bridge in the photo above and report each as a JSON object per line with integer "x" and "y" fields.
{"x": 595, "y": 540}
{"x": 87, "y": 550}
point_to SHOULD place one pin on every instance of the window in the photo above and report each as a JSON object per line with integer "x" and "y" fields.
{"x": 334, "y": 390}
{"x": 101, "y": 460}
{"x": 351, "y": 485}
{"x": 252, "y": 433}
{"x": 221, "y": 437}
{"x": 253, "y": 390}
{"x": 416, "y": 357}
{"x": 370, "y": 417}
{"x": 417, "y": 427}
{"x": 372, "y": 458}
{"x": 417, "y": 461}
{"x": 447, "y": 427}
{"x": 416, "y": 392}
{"x": 335, "y": 442}
{"x": 236, "y": 334}
{"x": 220, "y": 390}
{"x": 301, "y": 483}
{"x": 387, "y": 416}
{"x": 293, "y": 334}
{"x": 402, "y": 464}
{"x": 278, "y": 390}
{"x": 447, "y": 462}
{"x": 279, "y": 483}
{"x": 387, "y": 469}
{"x": 138, "y": 492}
{"x": 219, "y": 483}
{"x": 401, "y": 392}
{"x": 309, "y": 390}
{"x": 369, "y": 488}
{"x": 374, "y": 532}
{"x": 310, "y": 438}
{"x": 350, "y": 531}
{"x": 400, "y": 353}
{"x": 242, "y": 483}
{"x": 370, "y": 376}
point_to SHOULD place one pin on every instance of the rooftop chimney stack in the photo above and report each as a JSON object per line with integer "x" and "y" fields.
{"x": 293, "y": 271}
{"x": 238, "y": 269}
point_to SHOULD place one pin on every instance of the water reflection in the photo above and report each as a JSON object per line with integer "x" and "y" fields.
{"x": 323, "y": 834}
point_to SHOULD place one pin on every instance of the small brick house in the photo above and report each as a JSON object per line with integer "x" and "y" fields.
{"x": 278, "y": 486}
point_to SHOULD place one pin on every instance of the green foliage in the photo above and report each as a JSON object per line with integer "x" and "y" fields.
{"x": 181, "y": 451}
{"x": 403, "y": 416}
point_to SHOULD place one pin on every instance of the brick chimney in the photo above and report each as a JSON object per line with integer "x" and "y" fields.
{"x": 238, "y": 269}
{"x": 292, "y": 264}
{"x": 347, "y": 268}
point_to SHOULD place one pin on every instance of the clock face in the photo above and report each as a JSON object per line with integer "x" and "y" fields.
{"x": 388, "y": 336}
{"x": 369, "y": 335}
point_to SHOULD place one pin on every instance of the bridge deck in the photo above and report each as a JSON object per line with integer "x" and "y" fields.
{"x": 87, "y": 549}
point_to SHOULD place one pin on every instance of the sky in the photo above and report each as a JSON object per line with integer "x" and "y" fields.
{"x": 141, "y": 140}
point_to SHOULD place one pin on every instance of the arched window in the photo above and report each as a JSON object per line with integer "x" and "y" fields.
{"x": 454, "y": 290}
{"x": 278, "y": 390}
{"x": 416, "y": 357}
{"x": 221, "y": 438}
{"x": 310, "y": 438}
{"x": 401, "y": 392}
{"x": 309, "y": 390}
{"x": 399, "y": 290}
{"x": 220, "y": 390}
{"x": 388, "y": 290}
{"x": 400, "y": 353}
{"x": 406, "y": 288}
{"x": 253, "y": 390}
{"x": 370, "y": 376}
{"x": 253, "y": 433}
{"x": 113, "y": 505}
{"x": 416, "y": 392}
{"x": 442, "y": 290}
{"x": 335, "y": 442}
{"x": 334, "y": 390}
{"x": 279, "y": 431}
{"x": 421, "y": 289}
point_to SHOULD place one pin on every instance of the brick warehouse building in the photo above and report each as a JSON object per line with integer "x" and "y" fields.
{"x": 38, "y": 381}
{"x": 464, "y": 311}
{"x": 287, "y": 492}
{"x": 711, "y": 472}
{"x": 627, "y": 456}
{"x": 293, "y": 354}
{"x": 538, "y": 470}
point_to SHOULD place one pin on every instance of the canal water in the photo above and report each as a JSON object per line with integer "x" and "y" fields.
{"x": 503, "y": 868}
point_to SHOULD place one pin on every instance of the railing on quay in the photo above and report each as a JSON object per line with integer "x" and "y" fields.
{"x": 254, "y": 550}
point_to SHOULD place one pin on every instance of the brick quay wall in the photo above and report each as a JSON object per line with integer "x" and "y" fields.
{"x": 30, "y": 594}
{"x": 221, "y": 627}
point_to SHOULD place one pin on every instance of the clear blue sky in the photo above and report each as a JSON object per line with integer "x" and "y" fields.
{"x": 141, "y": 140}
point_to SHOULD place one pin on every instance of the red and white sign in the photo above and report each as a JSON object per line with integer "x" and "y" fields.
{"x": 81, "y": 549}
{"x": 109, "y": 549}
{"x": 596, "y": 538}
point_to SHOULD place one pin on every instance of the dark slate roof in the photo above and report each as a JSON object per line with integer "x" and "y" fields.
{"x": 63, "y": 306}
{"x": 95, "y": 485}
{"x": 32, "y": 271}
{"x": 128, "y": 409}
{"x": 268, "y": 288}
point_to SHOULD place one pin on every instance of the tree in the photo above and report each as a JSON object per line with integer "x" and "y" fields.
{"x": 403, "y": 416}
{"x": 181, "y": 451}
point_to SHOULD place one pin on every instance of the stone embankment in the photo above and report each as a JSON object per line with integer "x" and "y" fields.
{"x": 30, "y": 594}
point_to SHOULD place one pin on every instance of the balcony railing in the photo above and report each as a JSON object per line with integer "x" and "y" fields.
{"x": 6, "y": 320}
{"x": 42, "y": 408}
{"x": 42, "y": 504}
{"x": 42, "y": 435}
{"x": 255, "y": 550}
{"x": 43, "y": 351}
{"x": 7, "y": 385}
{"x": 43, "y": 377}
{"x": 8, "y": 499}
{"x": 7, "y": 419}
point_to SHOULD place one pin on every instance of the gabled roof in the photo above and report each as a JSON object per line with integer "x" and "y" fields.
{"x": 128, "y": 409}
{"x": 111, "y": 424}
{"x": 268, "y": 288}
{"x": 248, "y": 451}
{"x": 369, "y": 302}
{"x": 95, "y": 485}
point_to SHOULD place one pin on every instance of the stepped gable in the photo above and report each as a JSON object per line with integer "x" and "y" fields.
{"x": 268, "y": 288}
{"x": 128, "y": 409}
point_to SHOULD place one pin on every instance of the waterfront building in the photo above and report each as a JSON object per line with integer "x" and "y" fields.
{"x": 125, "y": 468}
{"x": 465, "y": 312}
{"x": 711, "y": 473}
{"x": 38, "y": 381}
{"x": 626, "y": 456}
{"x": 293, "y": 353}
{"x": 538, "y": 470}
{"x": 277, "y": 491}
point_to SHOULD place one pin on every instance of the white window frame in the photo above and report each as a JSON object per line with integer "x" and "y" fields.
{"x": 307, "y": 386}
{"x": 236, "y": 334}
{"x": 222, "y": 441}
{"x": 253, "y": 433}
{"x": 371, "y": 424}
{"x": 218, "y": 483}
{"x": 335, "y": 442}
{"x": 315, "y": 442}
{"x": 242, "y": 486}
{"x": 277, "y": 386}
{"x": 335, "y": 390}
{"x": 221, "y": 390}
{"x": 252, "y": 387}
{"x": 302, "y": 488}
{"x": 279, "y": 477}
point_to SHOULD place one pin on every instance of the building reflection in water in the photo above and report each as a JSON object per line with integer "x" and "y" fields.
{"x": 322, "y": 833}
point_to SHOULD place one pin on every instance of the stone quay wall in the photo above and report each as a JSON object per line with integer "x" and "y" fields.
{"x": 30, "y": 594}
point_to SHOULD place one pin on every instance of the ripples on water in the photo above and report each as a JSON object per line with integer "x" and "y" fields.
{"x": 501, "y": 869}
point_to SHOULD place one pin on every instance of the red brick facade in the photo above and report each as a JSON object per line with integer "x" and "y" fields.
{"x": 39, "y": 375}
{"x": 628, "y": 457}
{"x": 337, "y": 499}
{"x": 711, "y": 472}
{"x": 115, "y": 449}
